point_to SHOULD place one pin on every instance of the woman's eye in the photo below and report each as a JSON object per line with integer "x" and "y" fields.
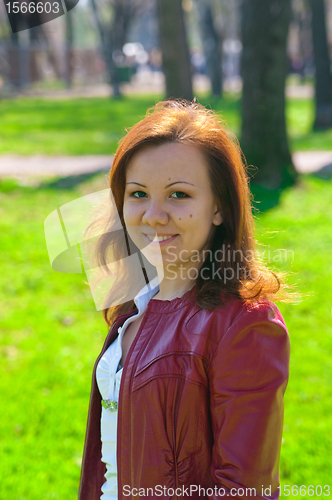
{"x": 176, "y": 194}
{"x": 138, "y": 194}
{"x": 181, "y": 194}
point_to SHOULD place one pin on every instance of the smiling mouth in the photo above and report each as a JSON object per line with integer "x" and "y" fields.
{"x": 160, "y": 239}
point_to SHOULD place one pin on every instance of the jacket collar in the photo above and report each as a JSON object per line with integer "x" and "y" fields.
{"x": 156, "y": 305}
{"x": 168, "y": 306}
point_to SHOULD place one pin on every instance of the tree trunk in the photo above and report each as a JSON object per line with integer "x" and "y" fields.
{"x": 107, "y": 50}
{"x": 323, "y": 76}
{"x": 264, "y": 142}
{"x": 123, "y": 12}
{"x": 211, "y": 45}
{"x": 176, "y": 58}
{"x": 69, "y": 50}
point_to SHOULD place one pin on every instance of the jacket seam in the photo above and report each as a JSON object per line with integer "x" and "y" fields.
{"x": 120, "y": 419}
{"x": 170, "y": 353}
{"x": 175, "y": 406}
{"x": 167, "y": 375}
{"x": 173, "y": 310}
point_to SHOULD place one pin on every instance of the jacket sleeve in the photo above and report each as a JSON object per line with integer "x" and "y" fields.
{"x": 248, "y": 376}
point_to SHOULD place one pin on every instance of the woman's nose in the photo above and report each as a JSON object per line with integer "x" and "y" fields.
{"x": 155, "y": 214}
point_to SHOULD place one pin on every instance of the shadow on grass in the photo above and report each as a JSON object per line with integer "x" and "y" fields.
{"x": 265, "y": 199}
{"x": 9, "y": 184}
{"x": 325, "y": 172}
{"x": 71, "y": 181}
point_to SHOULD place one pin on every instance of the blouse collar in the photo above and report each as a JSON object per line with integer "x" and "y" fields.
{"x": 148, "y": 291}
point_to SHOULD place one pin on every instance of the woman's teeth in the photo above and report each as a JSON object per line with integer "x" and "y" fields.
{"x": 159, "y": 238}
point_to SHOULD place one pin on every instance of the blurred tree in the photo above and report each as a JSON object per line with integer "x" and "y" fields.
{"x": 211, "y": 44}
{"x": 23, "y": 54}
{"x": 107, "y": 51}
{"x": 173, "y": 41}
{"x": 69, "y": 49}
{"x": 264, "y": 27}
{"x": 302, "y": 62}
{"x": 323, "y": 75}
{"x": 114, "y": 33}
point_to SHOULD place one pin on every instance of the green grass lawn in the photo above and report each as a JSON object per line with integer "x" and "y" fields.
{"x": 51, "y": 335}
{"x": 94, "y": 125}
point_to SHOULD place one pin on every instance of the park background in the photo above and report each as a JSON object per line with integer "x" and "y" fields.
{"x": 69, "y": 89}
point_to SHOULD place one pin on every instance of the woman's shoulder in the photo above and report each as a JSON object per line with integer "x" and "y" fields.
{"x": 253, "y": 348}
{"x": 254, "y": 309}
{"x": 261, "y": 316}
{"x": 235, "y": 315}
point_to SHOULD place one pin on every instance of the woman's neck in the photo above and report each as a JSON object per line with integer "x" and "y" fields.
{"x": 171, "y": 289}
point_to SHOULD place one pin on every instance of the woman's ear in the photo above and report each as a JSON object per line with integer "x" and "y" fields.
{"x": 217, "y": 218}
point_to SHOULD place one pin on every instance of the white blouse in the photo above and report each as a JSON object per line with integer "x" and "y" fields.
{"x": 108, "y": 375}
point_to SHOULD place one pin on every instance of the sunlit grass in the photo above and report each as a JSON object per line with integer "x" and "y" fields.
{"x": 94, "y": 125}
{"x": 303, "y": 221}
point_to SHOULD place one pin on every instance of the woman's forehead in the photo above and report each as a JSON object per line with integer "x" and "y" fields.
{"x": 173, "y": 158}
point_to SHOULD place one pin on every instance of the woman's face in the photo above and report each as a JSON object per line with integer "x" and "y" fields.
{"x": 168, "y": 194}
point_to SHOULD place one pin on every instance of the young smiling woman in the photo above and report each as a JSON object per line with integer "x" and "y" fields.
{"x": 187, "y": 393}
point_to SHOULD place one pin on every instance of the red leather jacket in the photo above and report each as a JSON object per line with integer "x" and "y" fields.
{"x": 200, "y": 410}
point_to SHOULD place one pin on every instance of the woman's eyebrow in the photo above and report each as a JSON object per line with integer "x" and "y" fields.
{"x": 168, "y": 185}
{"x": 138, "y": 184}
{"x": 178, "y": 182}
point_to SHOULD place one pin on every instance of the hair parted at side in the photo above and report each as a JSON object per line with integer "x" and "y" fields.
{"x": 244, "y": 276}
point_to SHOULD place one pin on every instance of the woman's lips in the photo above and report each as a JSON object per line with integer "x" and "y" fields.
{"x": 160, "y": 243}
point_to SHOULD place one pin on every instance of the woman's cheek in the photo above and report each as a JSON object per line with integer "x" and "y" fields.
{"x": 130, "y": 215}
{"x": 183, "y": 215}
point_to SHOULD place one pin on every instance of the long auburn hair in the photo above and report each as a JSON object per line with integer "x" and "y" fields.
{"x": 191, "y": 123}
